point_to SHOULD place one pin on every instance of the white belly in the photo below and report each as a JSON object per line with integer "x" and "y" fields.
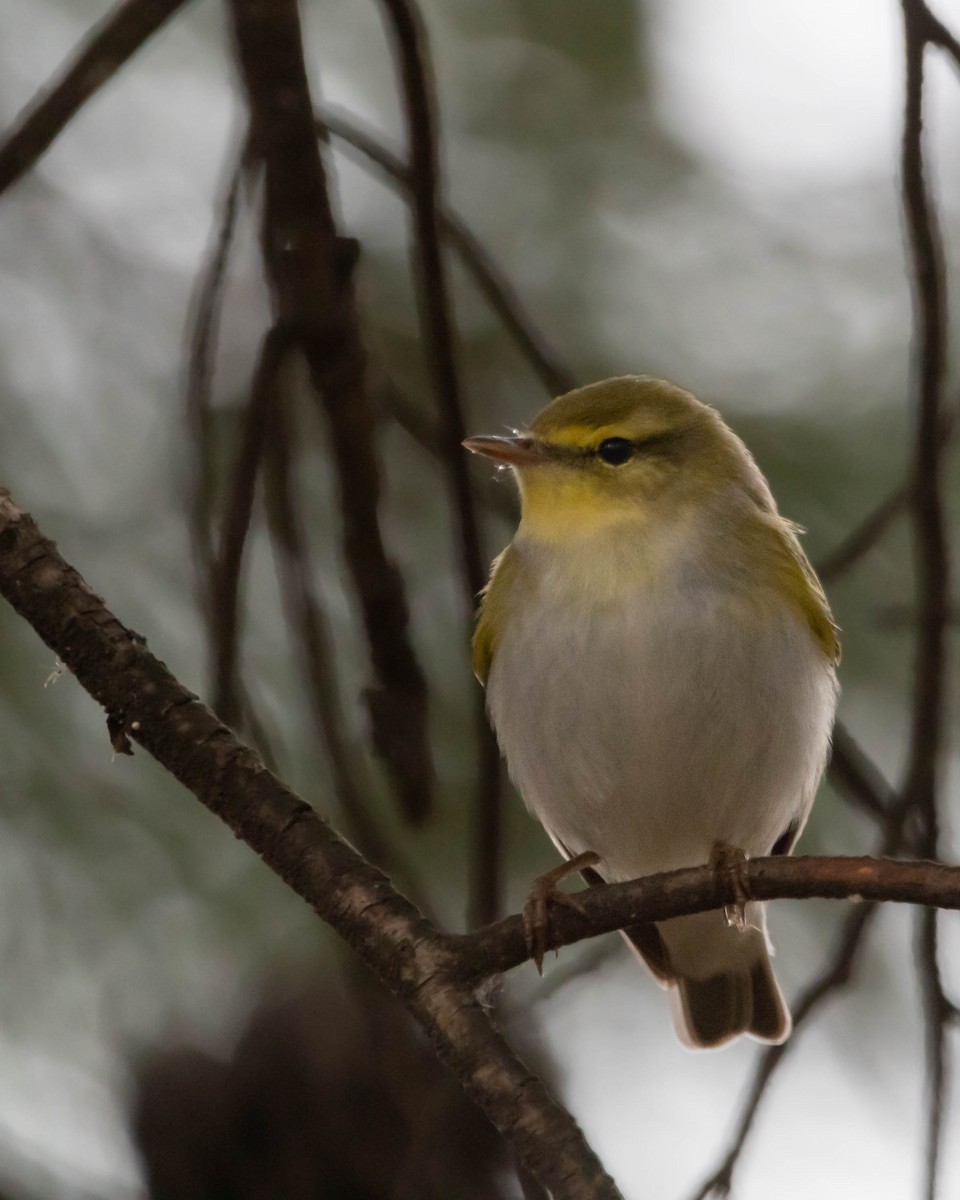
{"x": 653, "y": 730}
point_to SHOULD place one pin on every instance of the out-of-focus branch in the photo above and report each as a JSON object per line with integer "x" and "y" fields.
{"x": 833, "y": 979}
{"x": 413, "y": 57}
{"x": 858, "y": 777}
{"x": 307, "y": 618}
{"x": 477, "y": 261}
{"x": 933, "y": 30}
{"x": 236, "y": 524}
{"x": 863, "y": 537}
{"x": 309, "y": 267}
{"x": 107, "y": 47}
{"x": 421, "y": 426}
{"x": 931, "y": 556}
{"x": 419, "y": 965}
{"x": 203, "y": 329}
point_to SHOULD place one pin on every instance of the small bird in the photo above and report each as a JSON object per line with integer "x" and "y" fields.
{"x": 660, "y": 664}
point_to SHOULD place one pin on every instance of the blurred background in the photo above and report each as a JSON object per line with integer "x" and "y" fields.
{"x": 701, "y": 189}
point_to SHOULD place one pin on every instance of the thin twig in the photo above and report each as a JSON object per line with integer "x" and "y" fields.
{"x": 863, "y": 537}
{"x": 935, "y": 31}
{"x": 412, "y": 51}
{"x": 307, "y": 617}
{"x": 203, "y": 331}
{"x": 477, "y": 261}
{"x": 422, "y": 428}
{"x": 236, "y": 524}
{"x": 931, "y": 561}
{"x": 858, "y": 776}
{"x": 98, "y": 58}
{"x": 834, "y": 978}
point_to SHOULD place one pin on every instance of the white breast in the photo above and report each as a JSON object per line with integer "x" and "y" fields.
{"x": 650, "y": 729}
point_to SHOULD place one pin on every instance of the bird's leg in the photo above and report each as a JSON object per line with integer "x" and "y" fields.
{"x": 536, "y": 911}
{"x": 728, "y": 860}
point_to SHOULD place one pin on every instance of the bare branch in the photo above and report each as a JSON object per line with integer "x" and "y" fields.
{"x": 432, "y": 973}
{"x": 203, "y": 329}
{"x": 486, "y": 274}
{"x": 863, "y": 537}
{"x": 307, "y": 618}
{"x": 412, "y": 52}
{"x": 109, "y": 44}
{"x": 236, "y": 524}
{"x": 931, "y": 557}
{"x": 416, "y": 963}
{"x": 501, "y": 947}
{"x": 858, "y": 776}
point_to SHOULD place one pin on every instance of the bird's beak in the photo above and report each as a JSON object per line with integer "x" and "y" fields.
{"x": 514, "y": 451}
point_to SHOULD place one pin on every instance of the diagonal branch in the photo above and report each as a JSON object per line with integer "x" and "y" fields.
{"x": 486, "y": 274}
{"x": 107, "y": 47}
{"x": 405, "y": 951}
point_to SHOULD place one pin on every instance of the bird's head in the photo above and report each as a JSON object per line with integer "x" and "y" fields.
{"x": 630, "y": 449}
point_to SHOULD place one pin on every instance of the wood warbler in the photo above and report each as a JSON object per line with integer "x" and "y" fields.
{"x": 660, "y": 663}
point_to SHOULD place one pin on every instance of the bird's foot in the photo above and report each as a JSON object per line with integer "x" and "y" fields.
{"x": 536, "y": 911}
{"x": 727, "y": 861}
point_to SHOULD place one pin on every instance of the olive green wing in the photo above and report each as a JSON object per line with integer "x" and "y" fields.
{"x": 494, "y": 602}
{"x": 798, "y": 581}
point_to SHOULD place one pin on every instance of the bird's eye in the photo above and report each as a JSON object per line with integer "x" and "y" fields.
{"x": 615, "y": 451}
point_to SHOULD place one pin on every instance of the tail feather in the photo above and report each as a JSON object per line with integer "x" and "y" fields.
{"x": 725, "y": 981}
{"x": 713, "y": 1011}
{"x": 738, "y": 994}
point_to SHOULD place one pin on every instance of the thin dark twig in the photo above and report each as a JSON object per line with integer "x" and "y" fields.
{"x": 938, "y": 1013}
{"x": 486, "y": 274}
{"x": 935, "y": 31}
{"x": 98, "y": 58}
{"x": 419, "y": 425}
{"x": 931, "y": 559}
{"x": 306, "y": 615}
{"x": 930, "y": 547}
{"x": 436, "y": 306}
{"x": 835, "y": 977}
{"x": 864, "y": 536}
{"x": 870, "y": 530}
{"x": 236, "y": 524}
{"x": 858, "y": 776}
{"x": 203, "y": 331}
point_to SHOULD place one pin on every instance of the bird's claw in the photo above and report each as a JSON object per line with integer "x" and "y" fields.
{"x": 728, "y": 861}
{"x": 536, "y": 911}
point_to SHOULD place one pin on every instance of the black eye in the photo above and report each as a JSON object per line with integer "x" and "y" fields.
{"x": 615, "y": 451}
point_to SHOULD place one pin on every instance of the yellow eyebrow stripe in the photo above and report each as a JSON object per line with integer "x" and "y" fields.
{"x": 581, "y": 435}
{"x": 584, "y": 437}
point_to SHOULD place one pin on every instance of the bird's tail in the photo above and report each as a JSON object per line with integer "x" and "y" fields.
{"x": 725, "y": 985}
